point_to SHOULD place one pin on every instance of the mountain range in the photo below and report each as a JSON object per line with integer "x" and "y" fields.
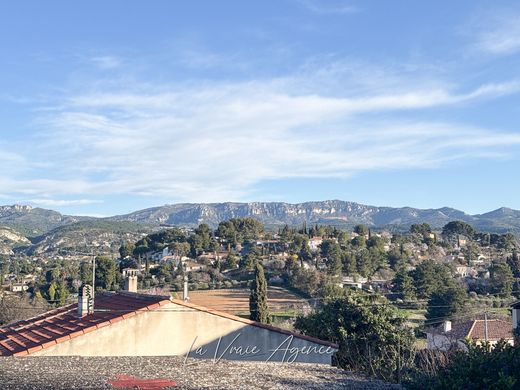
{"x": 35, "y": 222}
{"x": 36, "y": 231}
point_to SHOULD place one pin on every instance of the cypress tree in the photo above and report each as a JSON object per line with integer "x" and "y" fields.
{"x": 259, "y": 311}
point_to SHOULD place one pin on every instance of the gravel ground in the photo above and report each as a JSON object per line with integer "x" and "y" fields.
{"x": 94, "y": 372}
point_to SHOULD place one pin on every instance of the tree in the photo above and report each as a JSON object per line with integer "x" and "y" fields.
{"x": 403, "y": 285}
{"x": 127, "y": 249}
{"x": 333, "y": 254}
{"x": 248, "y": 261}
{"x": 258, "y": 308}
{"x": 362, "y": 230}
{"x": 420, "y": 228}
{"x": 62, "y": 294}
{"x": 106, "y": 271}
{"x": 514, "y": 263}
{"x": 51, "y": 292}
{"x": 458, "y": 227}
{"x": 85, "y": 272}
{"x": 359, "y": 242}
{"x": 52, "y": 275}
{"x": 370, "y": 333}
{"x": 430, "y": 277}
{"x": 446, "y": 303}
{"x": 307, "y": 281}
{"x": 364, "y": 262}
{"x": 480, "y": 367}
{"x": 501, "y": 278}
{"x": 231, "y": 260}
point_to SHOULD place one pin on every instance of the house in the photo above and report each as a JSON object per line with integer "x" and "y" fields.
{"x": 192, "y": 266}
{"x": 449, "y": 335}
{"x": 314, "y": 243}
{"x": 130, "y": 324}
{"x": 465, "y": 271}
{"x": 18, "y": 287}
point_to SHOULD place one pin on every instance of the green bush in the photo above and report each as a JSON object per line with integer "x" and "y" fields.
{"x": 481, "y": 367}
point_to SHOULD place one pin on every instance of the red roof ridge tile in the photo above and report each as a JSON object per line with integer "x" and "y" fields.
{"x": 253, "y": 323}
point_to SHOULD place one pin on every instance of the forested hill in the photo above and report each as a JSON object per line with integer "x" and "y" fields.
{"x": 36, "y": 221}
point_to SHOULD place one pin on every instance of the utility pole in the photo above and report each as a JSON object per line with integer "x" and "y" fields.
{"x": 486, "y": 326}
{"x": 93, "y": 273}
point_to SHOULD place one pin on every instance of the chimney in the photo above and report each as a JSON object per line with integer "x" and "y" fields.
{"x": 131, "y": 280}
{"x": 85, "y": 301}
{"x": 446, "y": 327}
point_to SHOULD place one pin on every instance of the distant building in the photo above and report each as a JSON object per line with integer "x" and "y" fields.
{"x": 19, "y": 287}
{"x": 452, "y": 335}
{"x": 314, "y": 243}
{"x": 465, "y": 271}
{"x": 192, "y": 266}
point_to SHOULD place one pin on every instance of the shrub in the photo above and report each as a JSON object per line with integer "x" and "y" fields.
{"x": 481, "y": 367}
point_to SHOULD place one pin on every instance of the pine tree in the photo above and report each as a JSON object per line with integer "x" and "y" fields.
{"x": 258, "y": 298}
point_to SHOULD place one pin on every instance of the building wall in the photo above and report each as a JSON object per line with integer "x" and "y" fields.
{"x": 178, "y": 330}
{"x": 443, "y": 343}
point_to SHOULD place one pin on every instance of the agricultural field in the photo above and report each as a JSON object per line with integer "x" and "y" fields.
{"x": 236, "y": 301}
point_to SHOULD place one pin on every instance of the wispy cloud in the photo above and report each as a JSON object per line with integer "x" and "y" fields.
{"x": 215, "y": 141}
{"x": 329, "y": 7}
{"x": 60, "y": 202}
{"x": 498, "y": 33}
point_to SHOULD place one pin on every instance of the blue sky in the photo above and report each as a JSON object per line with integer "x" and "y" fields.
{"x": 109, "y": 107}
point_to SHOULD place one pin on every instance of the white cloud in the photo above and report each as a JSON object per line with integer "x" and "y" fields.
{"x": 499, "y": 33}
{"x": 214, "y": 141}
{"x": 59, "y": 202}
{"x": 329, "y": 6}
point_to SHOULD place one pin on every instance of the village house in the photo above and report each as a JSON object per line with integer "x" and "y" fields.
{"x": 454, "y": 335}
{"x": 314, "y": 243}
{"x": 131, "y": 324}
{"x": 465, "y": 271}
{"x": 18, "y": 287}
{"x": 192, "y": 266}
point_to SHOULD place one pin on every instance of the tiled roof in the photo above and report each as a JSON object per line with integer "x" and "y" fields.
{"x": 496, "y": 330}
{"x": 476, "y": 330}
{"x": 27, "y": 336}
{"x": 62, "y": 324}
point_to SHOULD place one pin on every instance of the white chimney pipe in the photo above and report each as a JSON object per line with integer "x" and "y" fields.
{"x": 185, "y": 295}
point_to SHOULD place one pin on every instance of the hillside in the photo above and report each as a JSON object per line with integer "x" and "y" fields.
{"x": 10, "y": 239}
{"x": 32, "y": 222}
{"x": 331, "y": 212}
{"x": 36, "y": 222}
{"x": 81, "y": 237}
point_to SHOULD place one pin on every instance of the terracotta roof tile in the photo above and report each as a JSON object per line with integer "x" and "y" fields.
{"x": 61, "y": 324}
{"x": 496, "y": 330}
{"x": 476, "y": 330}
